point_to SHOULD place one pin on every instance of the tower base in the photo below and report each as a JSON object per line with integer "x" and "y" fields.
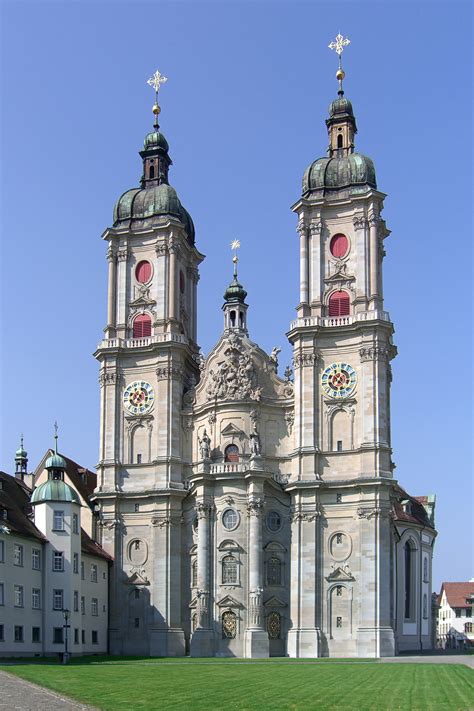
{"x": 375, "y": 642}
{"x": 167, "y": 643}
{"x": 256, "y": 644}
{"x": 304, "y": 643}
{"x": 202, "y": 643}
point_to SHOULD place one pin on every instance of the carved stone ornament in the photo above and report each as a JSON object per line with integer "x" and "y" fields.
{"x": 374, "y": 353}
{"x": 290, "y": 419}
{"x": 315, "y": 228}
{"x": 203, "y": 509}
{"x": 254, "y": 416}
{"x": 161, "y": 249}
{"x": 169, "y": 371}
{"x": 235, "y": 377}
{"x": 200, "y": 360}
{"x": 305, "y": 516}
{"x": 302, "y": 228}
{"x": 115, "y": 524}
{"x": 360, "y": 222}
{"x": 188, "y": 423}
{"x": 108, "y": 377}
{"x": 255, "y": 507}
{"x": 374, "y": 512}
{"x": 111, "y": 256}
{"x": 374, "y": 219}
{"x": 166, "y": 521}
{"x": 305, "y": 359}
{"x": 123, "y": 255}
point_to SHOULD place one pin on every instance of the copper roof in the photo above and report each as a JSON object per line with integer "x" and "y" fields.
{"x": 82, "y": 479}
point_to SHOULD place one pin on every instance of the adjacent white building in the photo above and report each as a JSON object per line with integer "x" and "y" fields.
{"x": 455, "y": 623}
{"x": 51, "y": 571}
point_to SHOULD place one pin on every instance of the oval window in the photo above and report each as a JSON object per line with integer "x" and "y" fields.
{"x": 143, "y": 272}
{"x": 274, "y": 521}
{"x": 339, "y": 246}
{"x": 230, "y": 519}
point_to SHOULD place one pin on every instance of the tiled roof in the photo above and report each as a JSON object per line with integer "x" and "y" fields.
{"x": 81, "y": 478}
{"x": 457, "y": 593}
{"x": 92, "y": 548}
{"x": 15, "y": 499}
{"x": 417, "y": 514}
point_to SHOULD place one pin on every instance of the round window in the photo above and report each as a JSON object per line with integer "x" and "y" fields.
{"x": 339, "y": 246}
{"x": 230, "y": 519}
{"x": 143, "y": 272}
{"x": 273, "y": 521}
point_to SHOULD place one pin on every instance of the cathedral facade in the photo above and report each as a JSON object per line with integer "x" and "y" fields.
{"x": 250, "y": 513}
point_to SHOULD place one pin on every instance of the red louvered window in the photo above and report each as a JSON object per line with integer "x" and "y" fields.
{"x": 142, "y": 326}
{"x": 143, "y": 272}
{"x": 339, "y": 246}
{"x": 339, "y": 304}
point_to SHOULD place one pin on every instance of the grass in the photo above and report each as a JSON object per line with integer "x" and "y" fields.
{"x": 148, "y": 684}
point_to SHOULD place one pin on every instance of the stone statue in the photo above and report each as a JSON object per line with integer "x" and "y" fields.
{"x": 205, "y": 445}
{"x": 274, "y": 356}
{"x": 255, "y": 444}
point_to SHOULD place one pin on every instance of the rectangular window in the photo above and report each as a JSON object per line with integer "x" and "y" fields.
{"x": 338, "y": 498}
{"x": 83, "y": 636}
{"x": 75, "y": 562}
{"x": 458, "y": 611}
{"x": 2, "y": 551}
{"x": 17, "y": 554}
{"x": 58, "y": 561}
{"x": 76, "y": 635}
{"x": 95, "y": 637}
{"x": 137, "y": 622}
{"x": 2, "y": 594}
{"x": 83, "y": 605}
{"x": 76, "y": 601}
{"x": 58, "y": 635}
{"x": 82, "y": 570}
{"x": 94, "y": 606}
{"x": 339, "y": 622}
{"x": 339, "y": 591}
{"x": 75, "y": 523}
{"x": 58, "y": 521}
{"x": 36, "y": 598}
{"x": 2, "y": 633}
{"x": 139, "y": 458}
{"x": 93, "y": 573}
{"x": 18, "y": 633}
{"x": 339, "y": 445}
{"x": 18, "y": 595}
{"x": 36, "y": 634}
{"x": 36, "y": 559}
{"x": 58, "y": 598}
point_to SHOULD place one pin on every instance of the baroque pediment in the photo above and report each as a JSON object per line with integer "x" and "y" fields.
{"x": 232, "y": 431}
{"x": 138, "y": 578}
{"x": 274, "y": 601}
{"x": 237, "y": 369}
{"x": 229, "y": 601}
{"x": 340, "y": 574}
{"x": 340, "y": 275}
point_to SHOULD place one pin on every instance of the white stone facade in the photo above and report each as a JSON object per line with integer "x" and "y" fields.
{"x": 249, "y": 514}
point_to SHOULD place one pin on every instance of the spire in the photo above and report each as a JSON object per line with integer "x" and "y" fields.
{"x": 156, "y": 160}
{"x": 235, "y": 308}
{"x": 55, "y": 464}
{"x": 341, "y": 122}
{"x": 21, "y": 461}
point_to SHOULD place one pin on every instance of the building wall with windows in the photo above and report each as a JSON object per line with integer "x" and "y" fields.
{"x": 42, "y": 551}
{"x": 455, "y": 620}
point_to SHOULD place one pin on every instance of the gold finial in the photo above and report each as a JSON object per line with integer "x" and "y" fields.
{"x": 56, "y": 437}
{"x": 338, "y": 44}
{"x": 234, "y": 245}
{"x": 156, "y": 81}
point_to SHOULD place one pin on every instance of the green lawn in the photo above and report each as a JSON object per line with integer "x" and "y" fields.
{"x": 152, "y": 684}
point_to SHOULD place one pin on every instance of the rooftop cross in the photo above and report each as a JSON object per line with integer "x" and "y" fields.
{"x": 156, "y": 81}
{"x": 56, "y": 437}
{"x": 234, "y": 245}
{"x": 338, "y": 44}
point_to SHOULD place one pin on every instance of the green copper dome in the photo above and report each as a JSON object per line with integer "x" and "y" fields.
{"x": 235, "y": 291}
{"x": 55, "y": 490}
{"x": 55, "y": 461}
{"x": 141, "y": 206}
{"x": 352, "y": 171}
{"x": 21, "y": 452}
{"x": 155, "y": 139}
{"x": 341, "y": 106}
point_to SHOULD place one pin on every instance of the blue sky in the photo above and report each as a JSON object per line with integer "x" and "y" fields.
{"x": 243, "y": 111}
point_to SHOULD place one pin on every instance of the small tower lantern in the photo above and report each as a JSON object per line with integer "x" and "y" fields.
{"x": 235, "y": 308}
{"x": 21, "y": 461}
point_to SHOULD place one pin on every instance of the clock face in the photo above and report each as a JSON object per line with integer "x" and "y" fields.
{"x": 138, "y": 397}
{"x": 339, "y": 380}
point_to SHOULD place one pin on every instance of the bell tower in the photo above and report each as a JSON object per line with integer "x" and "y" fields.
{"x": 147, "y": 358}
{"x": 342, "y": 341}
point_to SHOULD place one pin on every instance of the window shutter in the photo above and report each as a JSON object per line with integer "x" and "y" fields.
{"x": 142, "y": 326}
{"x": 339, "y": 304}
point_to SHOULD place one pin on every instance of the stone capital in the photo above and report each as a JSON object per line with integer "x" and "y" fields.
{"x": 255, "y": 507}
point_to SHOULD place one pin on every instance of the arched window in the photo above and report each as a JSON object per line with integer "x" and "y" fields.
{"x": 409, "y": 580}
{"x": 339, "y": 140}
{"x": 425, "y": 606}
{"x": 229, "y": 625}
{"x": 194, "y": 573}
{"x": 152, "y": 171}
{"x": 274, "y": 625}
{"x": 231, "y": 453}
{"x": 339, "y": 303}
{"x": 274, "y": 571}
{"x": 142, "y": 326}
{"x": 182, "y": 282}
{"x": 232, "y": 319}
{"x": 229, "y": 570}
{"x": 425, "y": 569}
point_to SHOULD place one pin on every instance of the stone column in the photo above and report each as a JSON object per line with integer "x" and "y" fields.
{"x": 172, "y": 281}
{"x": 256, "y": 638}
{"x": 202, "y": 640}
{"x": 374, "y": 258}
{"x": 304, "y": 272}
{"x": 315, "y": 229}
{"x": 112, "y": 260}
{"x": 121, "y": 318}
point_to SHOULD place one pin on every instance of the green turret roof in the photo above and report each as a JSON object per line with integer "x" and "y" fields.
{"x": 235, "y": 291}
{"x": 55, "y": 461}
{"x": 55, "y": 490}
